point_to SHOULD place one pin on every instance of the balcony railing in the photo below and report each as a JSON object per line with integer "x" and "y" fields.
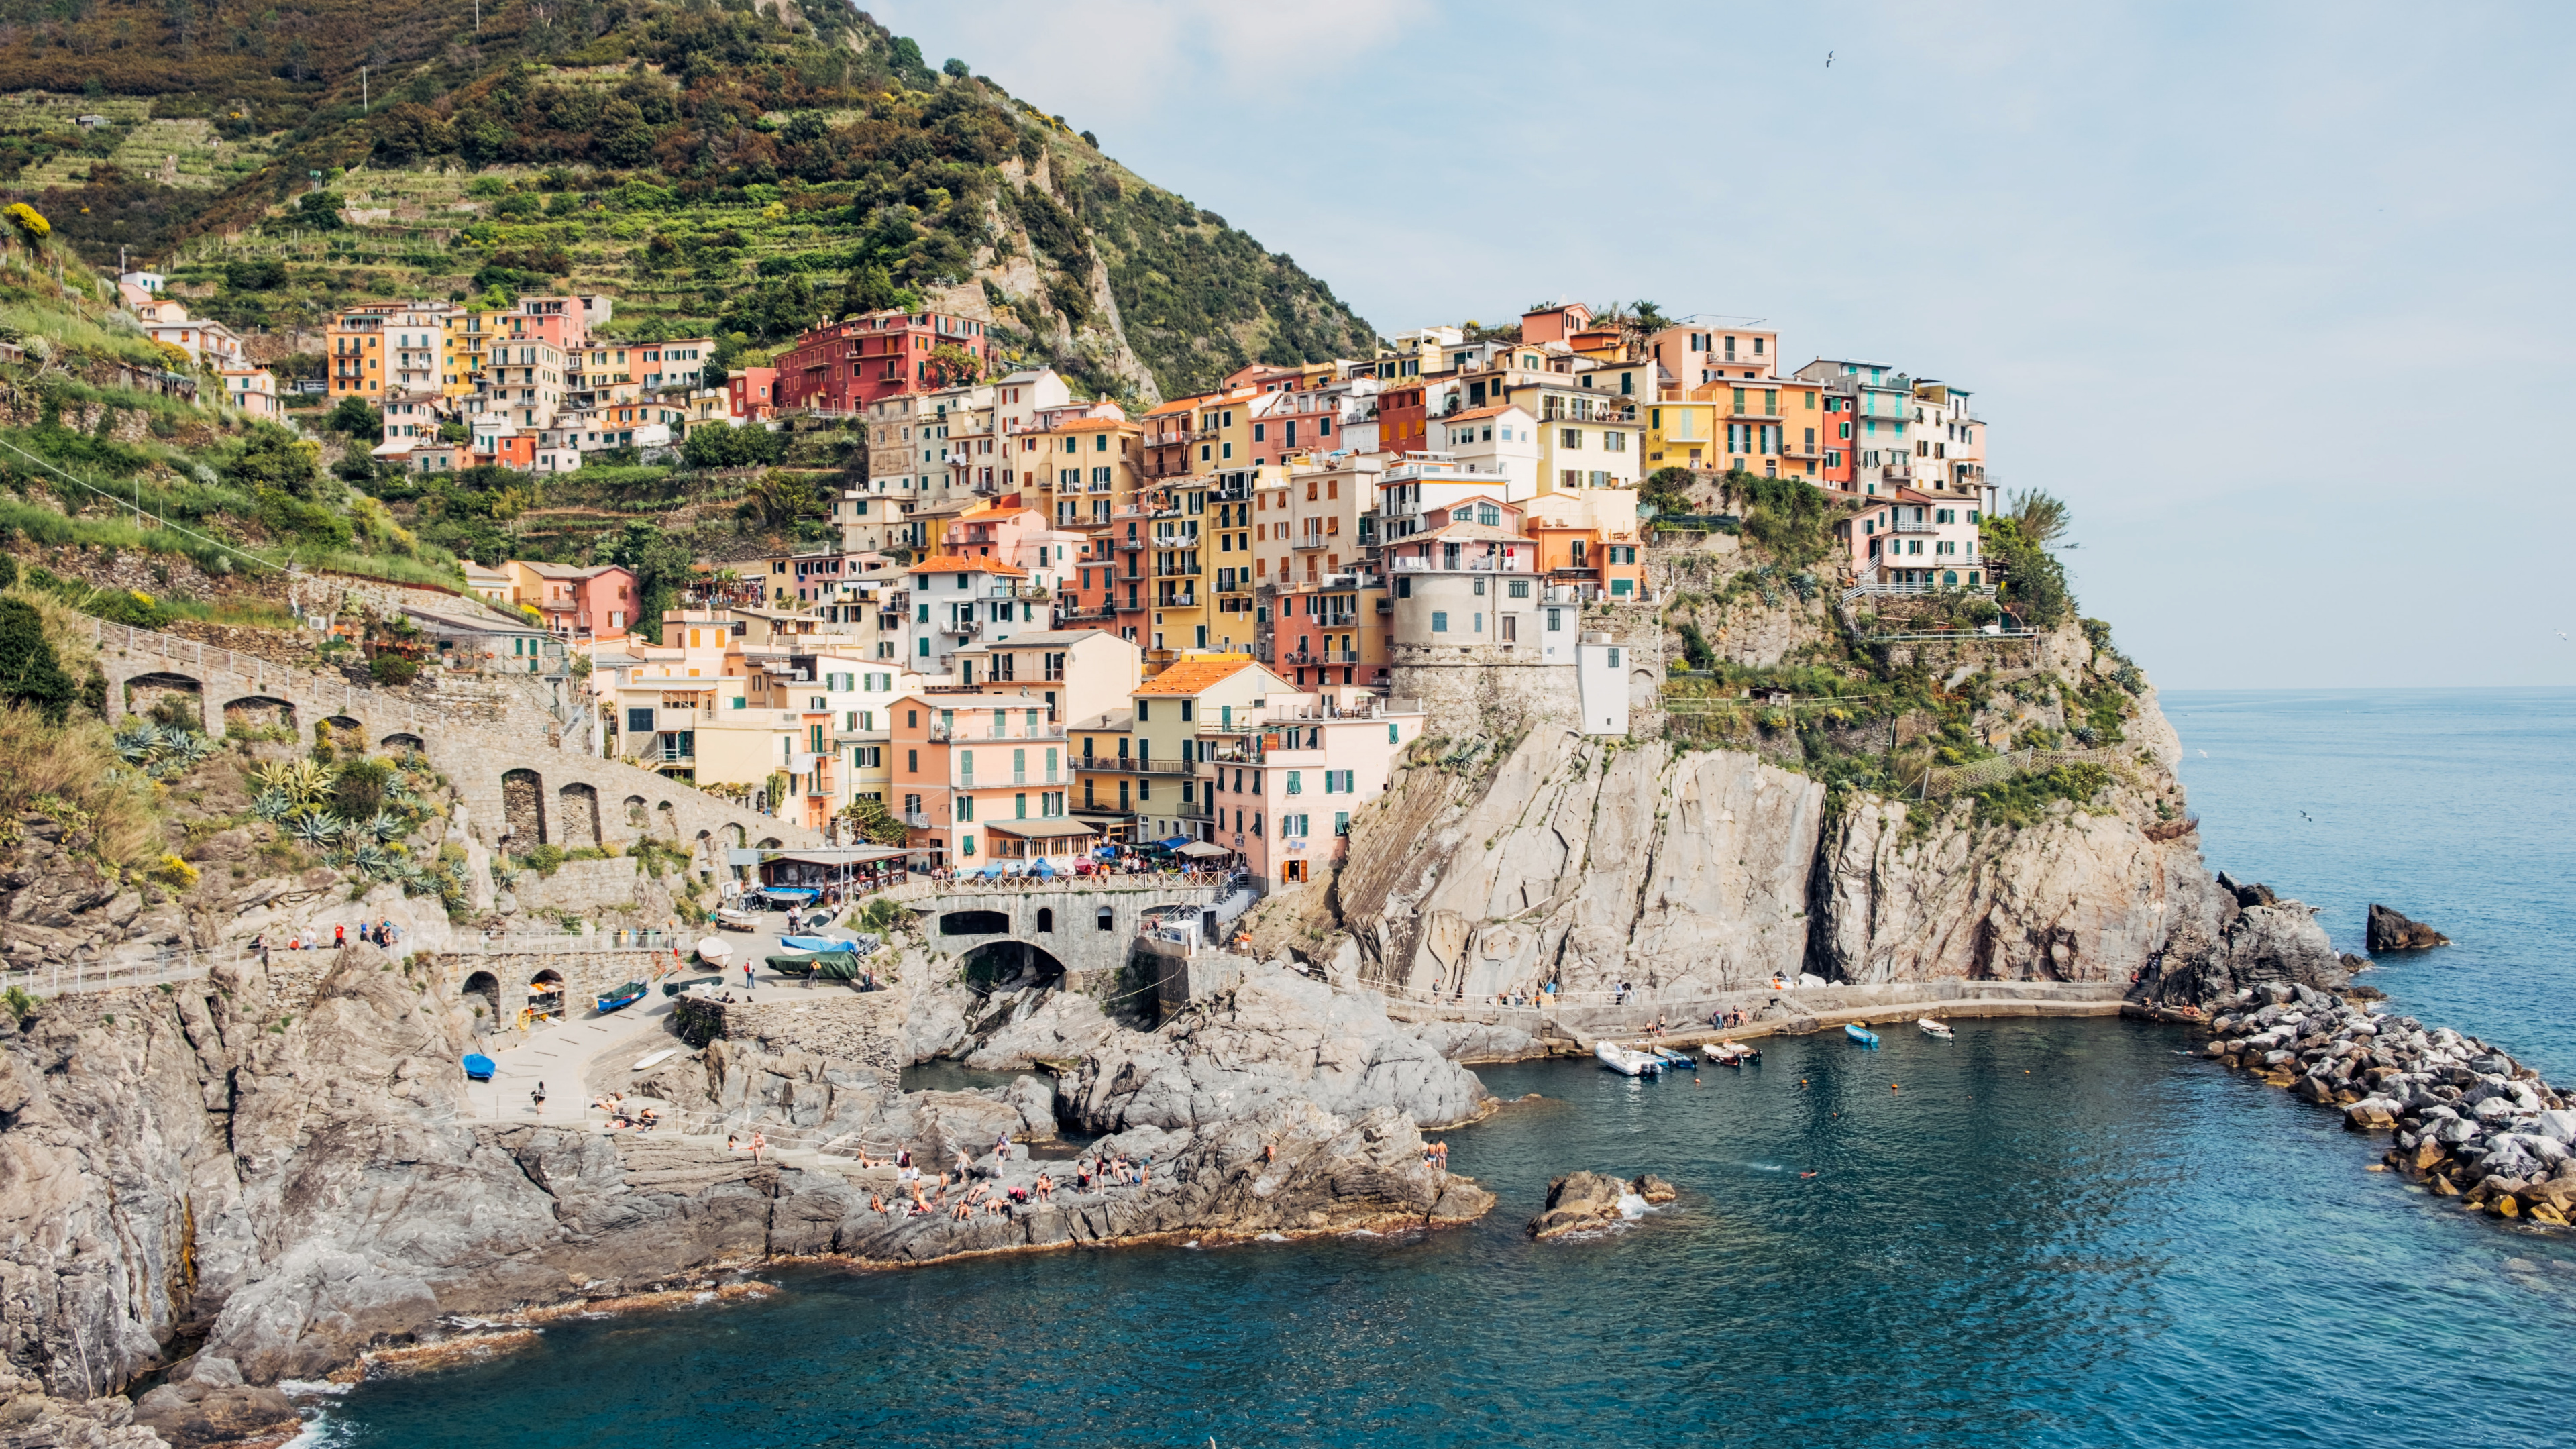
{"x": 1463, "y": 566}
{"x": 1126, "y": 766}
{"x": 918, "y": 820}
{"x": 1913, "y": 525}
{"x": 960, "y": 735}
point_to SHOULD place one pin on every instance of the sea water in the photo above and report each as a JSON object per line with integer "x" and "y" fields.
{"x": 2044, "y": 1233}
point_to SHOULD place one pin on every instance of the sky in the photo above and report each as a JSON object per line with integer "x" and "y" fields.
{"x": 2269, "y": 294}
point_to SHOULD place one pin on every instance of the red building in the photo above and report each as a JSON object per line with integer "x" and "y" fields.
{"x": 1400, "y": 421}
{"x": 751, "y": 395}
{"x": 847, "y": 365}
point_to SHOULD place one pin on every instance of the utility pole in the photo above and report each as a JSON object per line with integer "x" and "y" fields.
{"x": 364, "y": 104}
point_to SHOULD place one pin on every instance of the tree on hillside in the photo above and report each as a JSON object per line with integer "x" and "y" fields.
{"x": 661, "y": 564}
{"x": 354, "y": 419}
{"x": 722, "y": 445}
{"x": 775, "y": 502}
{"x": 31, "y": 675}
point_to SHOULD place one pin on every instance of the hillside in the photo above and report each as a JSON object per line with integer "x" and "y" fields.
{"x": 712, "y": 166}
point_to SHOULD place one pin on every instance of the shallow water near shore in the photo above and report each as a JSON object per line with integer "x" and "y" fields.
{"x": 2056, "y": 1232}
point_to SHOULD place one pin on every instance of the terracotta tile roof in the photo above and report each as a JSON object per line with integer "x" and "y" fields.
{"x": 949, "y": 563}
{"x": 1192, "y": 676}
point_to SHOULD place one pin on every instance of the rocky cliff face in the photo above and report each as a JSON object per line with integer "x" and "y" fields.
{"x": 1591, "y": 863}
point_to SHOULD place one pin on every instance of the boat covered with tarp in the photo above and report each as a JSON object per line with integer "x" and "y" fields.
{"x": 617, "y": 997}
{"x": 478, "y": 1067}
{"x": 822, "y": 966}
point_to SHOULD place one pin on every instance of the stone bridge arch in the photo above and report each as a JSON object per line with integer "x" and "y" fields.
{"x": 1011, "y": 962}
{"x": 1088, "y": 932}
{"x": 167, "y": 696}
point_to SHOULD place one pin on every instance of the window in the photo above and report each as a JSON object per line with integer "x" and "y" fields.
{"x": 1555, "y": 620}
{"x": 1341, "y": 822}
{"x": 1296, "y": 782}
{"x": 1614, "y": 441}
{"x": 1188, "y": 709}
{"x": 1569, "y": 437}
{"x": 639, "y": 721}
{"x": 1439, "y": 622}
{"x": 966, "y": 808}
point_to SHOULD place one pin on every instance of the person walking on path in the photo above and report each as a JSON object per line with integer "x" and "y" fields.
{"x": 339, "y": 937}
{"x": 539, "y": 1098}
{"x": 746, "y": 978}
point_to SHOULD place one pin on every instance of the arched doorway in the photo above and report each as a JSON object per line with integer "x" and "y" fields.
{"x": 635, "y": 817}
{"x": 401, "y": 744}
{"x": 545, "y": 996}
{"x": 577, "y": 819}
{"x": 523, "y": 809}
{"x": 483, "y": 993}
{"x": 1046, "y": 921}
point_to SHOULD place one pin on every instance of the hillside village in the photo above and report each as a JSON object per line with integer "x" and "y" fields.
{"x": 1048, "y": 628}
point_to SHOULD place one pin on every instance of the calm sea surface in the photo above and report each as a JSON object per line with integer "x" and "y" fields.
{"x": 2055, "y": 1233}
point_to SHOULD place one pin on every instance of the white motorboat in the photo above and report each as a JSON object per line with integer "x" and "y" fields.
{"x": 1730, "y": 1054}
{"x": 1627, "y": 1062}
{"x": 1940, "y": 1029}
{"x": 714, "y": 949}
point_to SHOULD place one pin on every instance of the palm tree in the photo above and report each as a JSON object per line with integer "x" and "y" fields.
{"x": 2041, "y": 517}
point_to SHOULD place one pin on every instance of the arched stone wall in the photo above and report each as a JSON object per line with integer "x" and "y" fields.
{"x": 576, "y": 820}
{"x": 523, "y": 809}
{"x": 260, "y": 711}
{"x": 144, "y": 693}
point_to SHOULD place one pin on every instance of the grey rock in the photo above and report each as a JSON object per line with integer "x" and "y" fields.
{"x": 1276, "y": 1038}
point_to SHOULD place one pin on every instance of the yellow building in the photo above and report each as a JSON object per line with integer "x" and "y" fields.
{"x": 1587, "y": 438}
{"x": 1682, "y": 434}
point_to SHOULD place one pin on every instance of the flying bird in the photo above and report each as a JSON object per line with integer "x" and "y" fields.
{"x": 2303, "y": 815}
{"x": 2204, "y": 754}
{"x": 1829, "y": 60}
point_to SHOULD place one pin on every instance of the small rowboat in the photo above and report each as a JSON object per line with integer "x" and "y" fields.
{"x": 1625, "y": 1062}
{"x": 1676, "y": 1061}
{"x": 478, "y": 1067}
{"x": 713, "y": 950}
{"x": 1731, "y": 1054}
{"x": 734, "y": 918}
{"x": 1939, "y": 1029}
{"x": 1860, "y": 1033}
{"x": 620, "y": 996}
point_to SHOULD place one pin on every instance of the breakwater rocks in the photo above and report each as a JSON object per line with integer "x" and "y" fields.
{"x": 1588, "y": 1201}
{"x": 2469, "y": 1121}
{"x": 2389, "y": 931}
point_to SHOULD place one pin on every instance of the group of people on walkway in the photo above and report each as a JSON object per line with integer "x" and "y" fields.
{"x": 375, "y": 933}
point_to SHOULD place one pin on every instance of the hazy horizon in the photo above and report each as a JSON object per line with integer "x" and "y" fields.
{"x": 2218, "y": 278}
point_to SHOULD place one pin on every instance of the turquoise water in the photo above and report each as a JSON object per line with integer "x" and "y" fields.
{"x": 2055, "y": 1233}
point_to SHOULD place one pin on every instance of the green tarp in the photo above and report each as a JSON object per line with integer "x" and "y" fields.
{"x": 828, "y": 965}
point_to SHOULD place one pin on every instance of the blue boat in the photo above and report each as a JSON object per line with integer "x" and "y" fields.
{"x": 622, "y": 996}
{"x": 478, "y": 1067}
{"x": 1860, "y": 1033}
{"x": 818, "y": 943}
{"x": 1673, "y": 1060}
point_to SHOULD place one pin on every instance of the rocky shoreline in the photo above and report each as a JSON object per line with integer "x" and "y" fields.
{"x": 2469, "y": 1122}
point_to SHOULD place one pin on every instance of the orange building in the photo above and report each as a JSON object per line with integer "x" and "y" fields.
{"x": 982, "y": 778}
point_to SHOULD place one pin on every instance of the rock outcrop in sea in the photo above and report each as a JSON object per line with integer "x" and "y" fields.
{"x": 2389, "y": 931}
{"x": 1590, "y": 1201}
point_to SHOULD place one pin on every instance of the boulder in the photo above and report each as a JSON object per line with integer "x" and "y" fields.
{"x": 1580, "y": 1201}
{"x": 1277, "y": 1038}
{"x": 2389, "y": 931}
{"x": 2246, "y": 893}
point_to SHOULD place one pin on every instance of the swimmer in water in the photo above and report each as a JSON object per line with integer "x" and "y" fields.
{"x": 1806, "y": 1174}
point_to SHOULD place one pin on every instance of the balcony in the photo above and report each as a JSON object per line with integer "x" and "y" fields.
{"x": 1125, "y": 766}
{"x": 964, "y": 628}
{"x": 1913, "y": 525}
{"x": 1462, "y": 566}
{"x": 946, "y": 734}
{"x": 1317, "y": 540}
{"x": 1178, "y": 601}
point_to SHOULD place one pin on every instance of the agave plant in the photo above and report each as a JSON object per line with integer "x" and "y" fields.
{"x": 385, "y": 825}
{"x": 138, "y": 742}
{"x": 313, "y": 828}
{"x": 304, "y": 781}
{"x": 372, "y": 859}
{"x": 191, "y": 748}
{"x": 272, "y": 805}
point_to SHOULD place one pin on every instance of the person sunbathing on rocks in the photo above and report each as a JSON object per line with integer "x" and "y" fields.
{"x": 962, "y": 1212}
{"x": 876, "y": 1202}
{"x": 1045, "y": 1188}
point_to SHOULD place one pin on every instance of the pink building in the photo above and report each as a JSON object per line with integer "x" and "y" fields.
{"x": 751, "y": 395}
{"x": 1281, "y": 788}
{"x": 595, "y": 603}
